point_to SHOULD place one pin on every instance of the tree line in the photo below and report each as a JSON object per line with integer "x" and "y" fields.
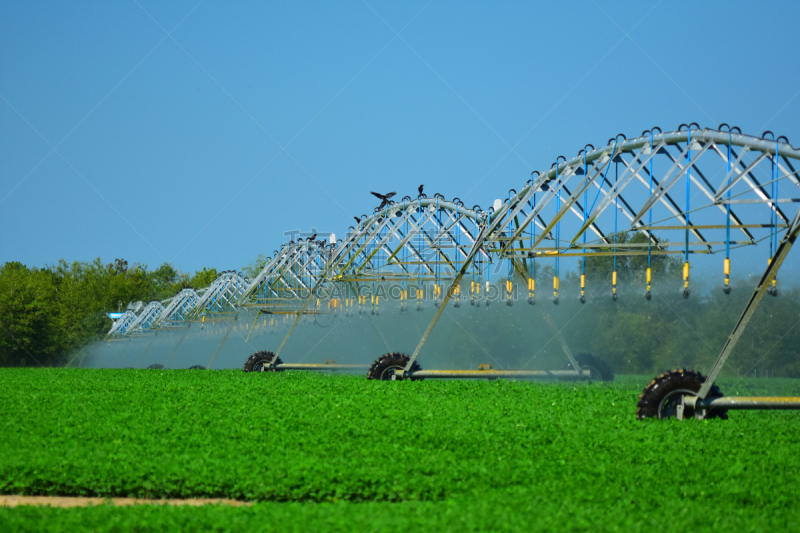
{"x": 46, "y": 313}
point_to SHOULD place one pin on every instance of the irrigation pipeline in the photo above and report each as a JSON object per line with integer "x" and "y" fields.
{"x": 738, "y": 190}
{"x": 620, "y": 200}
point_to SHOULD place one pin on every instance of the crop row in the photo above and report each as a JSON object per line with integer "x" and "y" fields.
{"x": 307, "y": 437}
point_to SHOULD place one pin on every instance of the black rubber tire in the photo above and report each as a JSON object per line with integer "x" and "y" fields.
{"x": 383, "y": 367}
{"x": 656, "y": 398}
{"x": 598, "y": 368}
{"x": 261, "y": 361}
{"x": 197, "y": 367}
{"x": 155, "y": 367}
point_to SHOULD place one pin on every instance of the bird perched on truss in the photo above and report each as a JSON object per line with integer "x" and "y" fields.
{"x": 420, "y": 189}
{"x": 311, "y": 239}
{"x": 384, "y": 198}
{"x": 358, "y": 220}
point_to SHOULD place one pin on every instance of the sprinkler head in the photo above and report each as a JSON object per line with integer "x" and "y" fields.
{"x": 472, "y": 302}
{"x": 614, "y": 297}
{"x": 509, "y": 303}
{"x": 531, "y": 301}
{"x": 685, "y": 293}
{"x": 648, "y": 296}
{"x": 726, "y": 289}
{"x": 583, "y": 299}
{"x": 555, "y": 300}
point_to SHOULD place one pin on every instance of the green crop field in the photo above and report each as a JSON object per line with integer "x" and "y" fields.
{"x": 340, "y": 453}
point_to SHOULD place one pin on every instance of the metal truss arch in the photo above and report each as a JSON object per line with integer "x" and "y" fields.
{"x": 177, "y": 309}
{"x": 584, "y": 187}
{"x": 218, "y": 301}
{"x": 145, "y": 319}
{"x": 418, "y": 245}
{"x": 287, "y": 277}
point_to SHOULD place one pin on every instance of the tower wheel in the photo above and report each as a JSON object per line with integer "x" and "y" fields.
{"x": 662, "y": 397}
{"x": 262, "y": 362}
{"x": 385, "y": 366}
{"x": 598, "y": 369}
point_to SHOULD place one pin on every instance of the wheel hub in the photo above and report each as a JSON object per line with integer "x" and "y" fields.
{"x": 674, "y": 406}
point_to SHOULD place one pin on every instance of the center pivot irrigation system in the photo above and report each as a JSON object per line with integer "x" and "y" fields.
{"x": 685, "y": 192}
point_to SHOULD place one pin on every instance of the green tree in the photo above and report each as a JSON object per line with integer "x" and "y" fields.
{"x": 254, "y": 269}
{"x": 47, "y": 313}
{"x": 26, "y": 302}
{"x": 630, "y": 267}
{"x": 203, "y": 278}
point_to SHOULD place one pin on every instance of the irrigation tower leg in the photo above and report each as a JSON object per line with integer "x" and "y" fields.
{"x": 146, "y": 350}
{"x": 230, "y": 328}
{"x": 175, "y": 349}
{"x": 258, "y": 314}
{"x": 476, "y": 246}
{"x": 300, "y": 314}
{"x": 127, "y": 343}
{"x": 561, "y": 341}
{"x": 755, "y": 299}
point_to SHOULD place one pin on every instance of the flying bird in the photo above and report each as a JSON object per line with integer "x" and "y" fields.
{"x": 420, "y": 189}
{"x": 384, "y": 198}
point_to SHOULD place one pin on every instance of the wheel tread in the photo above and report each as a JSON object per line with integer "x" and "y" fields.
{"x": 388, "y": 360}
{"x": 262, "y": 356}
{"x": 681, "y": 378}
{"x": 586, "y": 359}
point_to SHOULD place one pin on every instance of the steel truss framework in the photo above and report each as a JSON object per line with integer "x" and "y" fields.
{"x": 144, "y": 320}
{"x": 410, "y": 246}
{"x": 287, "y": 277}
{"x": 217, "y": 302}
{"x": 687, "y": 192}
{"x": 177, "y": 309}
{"x": 121, "y": 325}
{"x": 654, "y": 183}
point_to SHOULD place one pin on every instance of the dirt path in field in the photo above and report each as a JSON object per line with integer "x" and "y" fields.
{"x": 72, "y": 501}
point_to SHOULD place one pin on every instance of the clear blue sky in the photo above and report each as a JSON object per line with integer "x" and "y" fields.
{"x": 198, "y": 133}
